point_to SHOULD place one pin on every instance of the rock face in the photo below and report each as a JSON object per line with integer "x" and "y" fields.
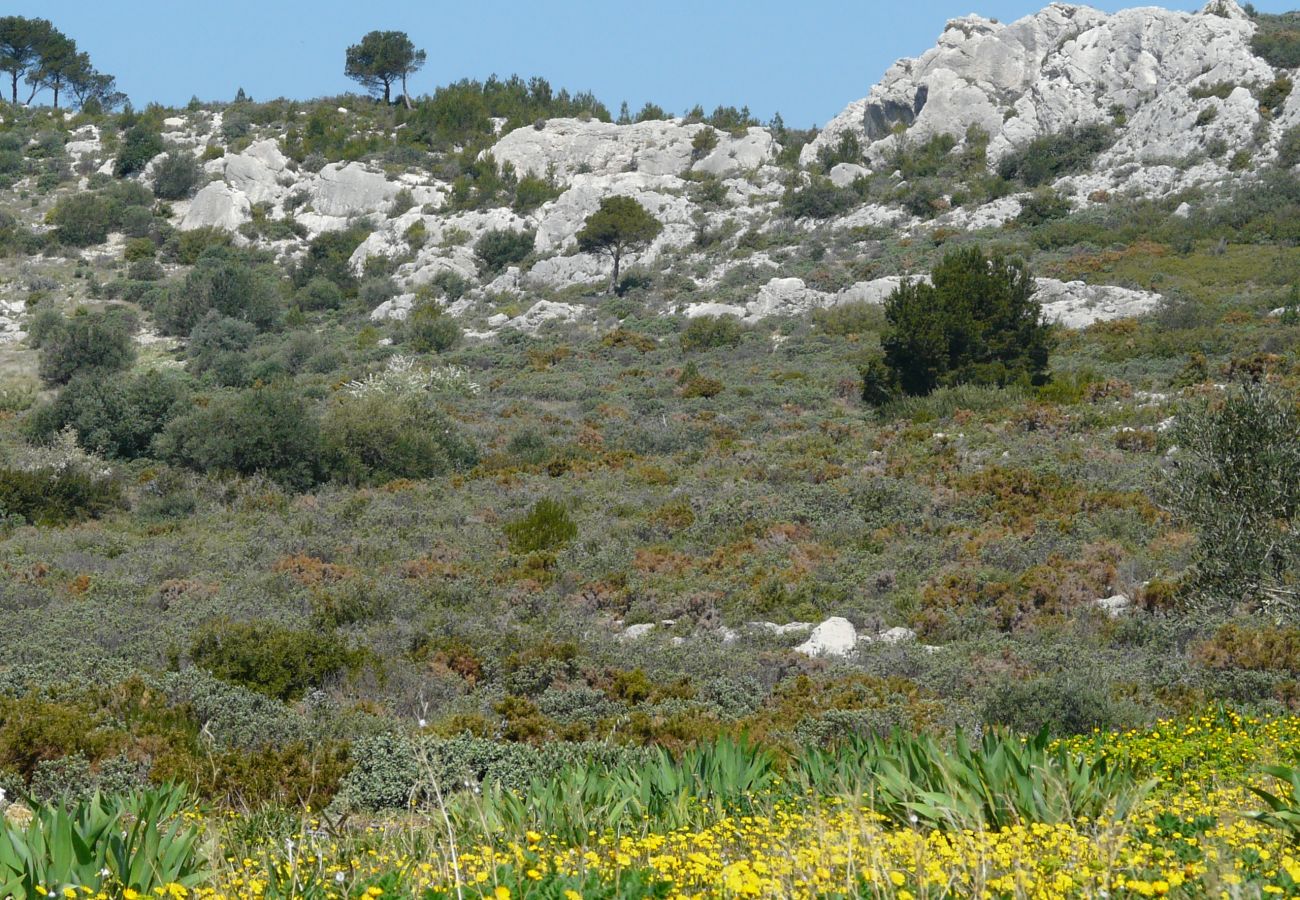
{"x": 563, "y": 148}
{"x": 834, "y": 637}
{"x": 1073, "y": 304}
{"x": 218, "y": 205}
{"x": 1071, "y": 65}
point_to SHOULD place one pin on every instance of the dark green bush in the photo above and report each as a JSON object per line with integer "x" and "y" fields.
{"x": 116, "y": 415}
{"x": 176, "y": 176}
{"x": 1234, "y": 483}
{"x": 140, "y": 144}
{"x": 1277, "y": 39}
{"x": 711, "y": 332}
{"x": 87, "y": 341}
{"x": 1051, "y": 156}
{"x": 547, "y": 526}
{"x": 280, "y": 662}
{"x": 818, "y": 199}
{"x": 379, "y": 437}
{"x": 977, "y": 323}
{"x": 500, "y": 249}
{"x": 328, "y": 256}
{"x": 267, "y": 430}
{"x": 318, "y": 294}
{"x": 233, "y": 284}
{"x": 56, "y": 496}
{"x": 82, "y": 220}
{"x": 429, "y": 330}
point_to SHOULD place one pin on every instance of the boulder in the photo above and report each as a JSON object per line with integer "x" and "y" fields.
{"x": 896, "y": 636}
{"x": 1075, "y": 304}
{"x": 544, "y": 311}
{"x": 217, "y": 205}
{"x": 834, "y": 637}
{"x": 1116, "y": 606}
{"x": 343, "y": 191}
{"x": 565, "y": 148}
{"x": 844, "y": 174}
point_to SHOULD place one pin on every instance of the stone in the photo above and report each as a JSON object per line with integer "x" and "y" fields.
{"x": 343, "y": 191}
{"x": 1115, "y": 606}
{"x": 834, "y": 637}
{"x": 217, "y": 205}
{"x": 544, "y": 311}
{"x": 1075, "y": 304}
{"x": 636, "y": 632}
{"x": 1184, "y": 210}
{"x": 896, "y": 636}
{"x": 565, "y": 148}
{"x": 844, "y": 174}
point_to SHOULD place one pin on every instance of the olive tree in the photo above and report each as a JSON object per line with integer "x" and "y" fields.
{"x": 620, "y": 226}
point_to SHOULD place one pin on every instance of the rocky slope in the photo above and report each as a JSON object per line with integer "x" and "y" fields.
{"x": 1180, "y": 91}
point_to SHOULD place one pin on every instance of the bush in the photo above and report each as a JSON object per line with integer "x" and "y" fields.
{"x": 818, "y": 199}
{"x": 87, "y": 341}
{"x": 280, "y": 662}
{"x": 176, "y": 176}
{"x": 318, "y": 294}
{"x": 115, "y": 416}
{"x": 379, "y": 437}
{"x": 501, "y": 248}
{"x": 547, "y": 526}
{"x": 1062, "y": 704}
{"x": 329, "y": 256}
{"x": 1288, "y": 148}
{"x": 225, "y": 281}
{"x": 976, "y": 323}
{"x": 1234, "y": 482}
{"x": 429, "y": 330}
{"x": 140, "y": 144}
{"x": 56, "y": 496}
{"x": 266, "y": 430}
{"x": 711, "y": 332}
{"x": 82, "y": 220}
{"x": 217, "y": 345}
{"x": 1051, "y": 156}
{"x": 1277, "y": 39}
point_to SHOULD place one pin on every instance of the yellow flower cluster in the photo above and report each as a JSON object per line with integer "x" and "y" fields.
{"x": 1189, "y": 838}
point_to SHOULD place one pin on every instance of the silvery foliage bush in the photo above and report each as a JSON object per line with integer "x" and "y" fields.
{"x": 1233, "y": 480}
{"x": 70, "y": 780}
{"x": 394, "y": 771}
{"x": 404, "y": 377}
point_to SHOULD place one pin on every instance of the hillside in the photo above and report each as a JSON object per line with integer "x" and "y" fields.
{"x": 325, "y": 437}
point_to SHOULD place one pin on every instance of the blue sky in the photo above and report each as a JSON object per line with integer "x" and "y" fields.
{"x": 804, "y": 58}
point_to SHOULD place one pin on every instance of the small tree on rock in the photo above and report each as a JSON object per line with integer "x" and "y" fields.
{"x": 382, "y": 59}
{"x": 620, "y": 226}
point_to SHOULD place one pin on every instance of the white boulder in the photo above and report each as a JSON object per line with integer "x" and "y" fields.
{"x": 834, "y": 637}
{"x": 217, "y": 205}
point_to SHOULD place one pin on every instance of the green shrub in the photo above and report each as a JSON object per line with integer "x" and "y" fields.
{"x": 1062, "y": 704}
{"x": 114, "y": 416}
{"x": 378, "y": 437}
{"x": 231, "y": 283}
{"x": 141, "y": 143}
{"x": 1234, "y": 483}
{"x": 176, "y": 176}
{"x": 532, "y": 192}
{"x": 318, "y": 294}
{"x": 711, "y": 332}
{"x": 547, "y": 526}
{"x": 329, "y": 256}
{"x": 1277, "y": 39}
{"x": 267, "y": 430}
{"x": 1288, "y": 148}
{"x": 499, "y": 249}
{"x": 268, "y": 658}
{"x": 818, "y": 199}
{"x": 976, "y": 323}
{"x": 87, "y": 341}
{"x": 1051, "y": 156}
{"x": 56, "y": 496}
{"x": 429, "y": 330}
{"x": 82, "y": 220}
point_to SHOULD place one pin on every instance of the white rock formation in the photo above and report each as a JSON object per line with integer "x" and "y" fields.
{"x": 348, "y": 190}
{"x": 1075, "y": 304}
{"x": 218, "y": 205}
{"x": 1071, "y": 65}
{"x": 1115, "y": 606}
{"x": 563, "y": 148}
{"x": 834, "y": 637}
